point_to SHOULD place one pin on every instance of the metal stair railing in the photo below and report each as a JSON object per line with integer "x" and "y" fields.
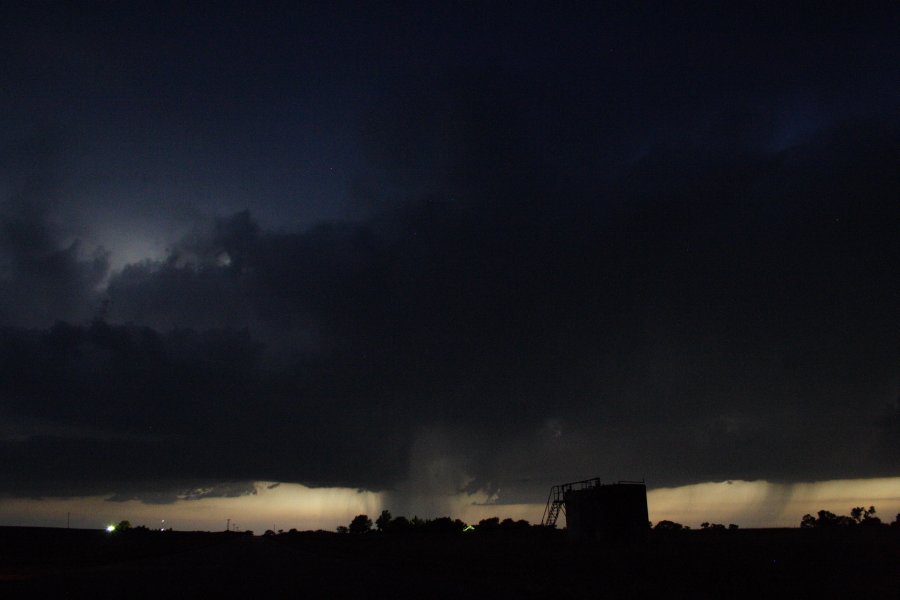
{"x": 556, "y": 501}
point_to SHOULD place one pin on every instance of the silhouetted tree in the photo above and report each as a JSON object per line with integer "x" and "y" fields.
{"x": 510, "y": 525}
{"x": 123, "y": 526}
{"x": 488, "y": 524}
{"x": 398, "y": 525}
{"x": 827, "y": 519}
{"x": 733, "y": 526}
{"x": 360, "y": 524}
{"x": 443, "y": 525}
{"x": 865, "y": 517}
{"x": 342, "y": 529}
{"x": 383, "y": 520}
{"x": 668, "y": 526}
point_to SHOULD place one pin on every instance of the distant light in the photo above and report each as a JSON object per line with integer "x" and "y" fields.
{"x": 469, "y": 528}
{"x": 110, "y": 528}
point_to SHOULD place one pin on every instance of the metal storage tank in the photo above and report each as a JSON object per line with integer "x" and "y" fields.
{"x": 609, "y": 513}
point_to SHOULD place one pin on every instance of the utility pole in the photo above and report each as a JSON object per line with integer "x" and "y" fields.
{"x": 228, "y": 525}
{"x": 68, "y": 518}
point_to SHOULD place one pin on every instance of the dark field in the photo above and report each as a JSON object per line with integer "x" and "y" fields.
{"x": 794, "y": 563}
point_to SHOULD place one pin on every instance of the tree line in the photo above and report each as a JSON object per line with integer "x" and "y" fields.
{"x": 387, "y": 523}
{"x": 859, "y": 517}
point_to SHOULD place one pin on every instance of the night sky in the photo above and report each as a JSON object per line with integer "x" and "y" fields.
{"x": 438, "y": 249}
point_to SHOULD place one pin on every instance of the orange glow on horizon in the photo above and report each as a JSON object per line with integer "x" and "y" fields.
{"x": 747, "y": 503}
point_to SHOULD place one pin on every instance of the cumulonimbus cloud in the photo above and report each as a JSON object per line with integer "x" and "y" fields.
{"x": 728, "y": 319}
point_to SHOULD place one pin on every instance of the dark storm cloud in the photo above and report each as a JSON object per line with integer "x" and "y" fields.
{"x": 713, "y": 318}
{"x": 44, "y": 273}
{"x": 216, "y": 490}
{"x": 173, "y": 409}
{"x": 626, "y": 243}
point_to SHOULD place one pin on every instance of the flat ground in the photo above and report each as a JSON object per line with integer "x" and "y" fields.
{"x": 515, "y": 564}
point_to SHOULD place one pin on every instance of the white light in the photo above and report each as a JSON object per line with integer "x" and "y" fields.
{"x": 110, "y": 528}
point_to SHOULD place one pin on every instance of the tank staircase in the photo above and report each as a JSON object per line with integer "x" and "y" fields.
{"x": 556, "y": 501}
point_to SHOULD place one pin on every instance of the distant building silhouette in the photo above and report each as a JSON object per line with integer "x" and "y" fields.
{"x": 609, "y": 513}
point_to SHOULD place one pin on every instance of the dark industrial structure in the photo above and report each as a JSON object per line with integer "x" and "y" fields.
{"x": 611, "y": 513}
